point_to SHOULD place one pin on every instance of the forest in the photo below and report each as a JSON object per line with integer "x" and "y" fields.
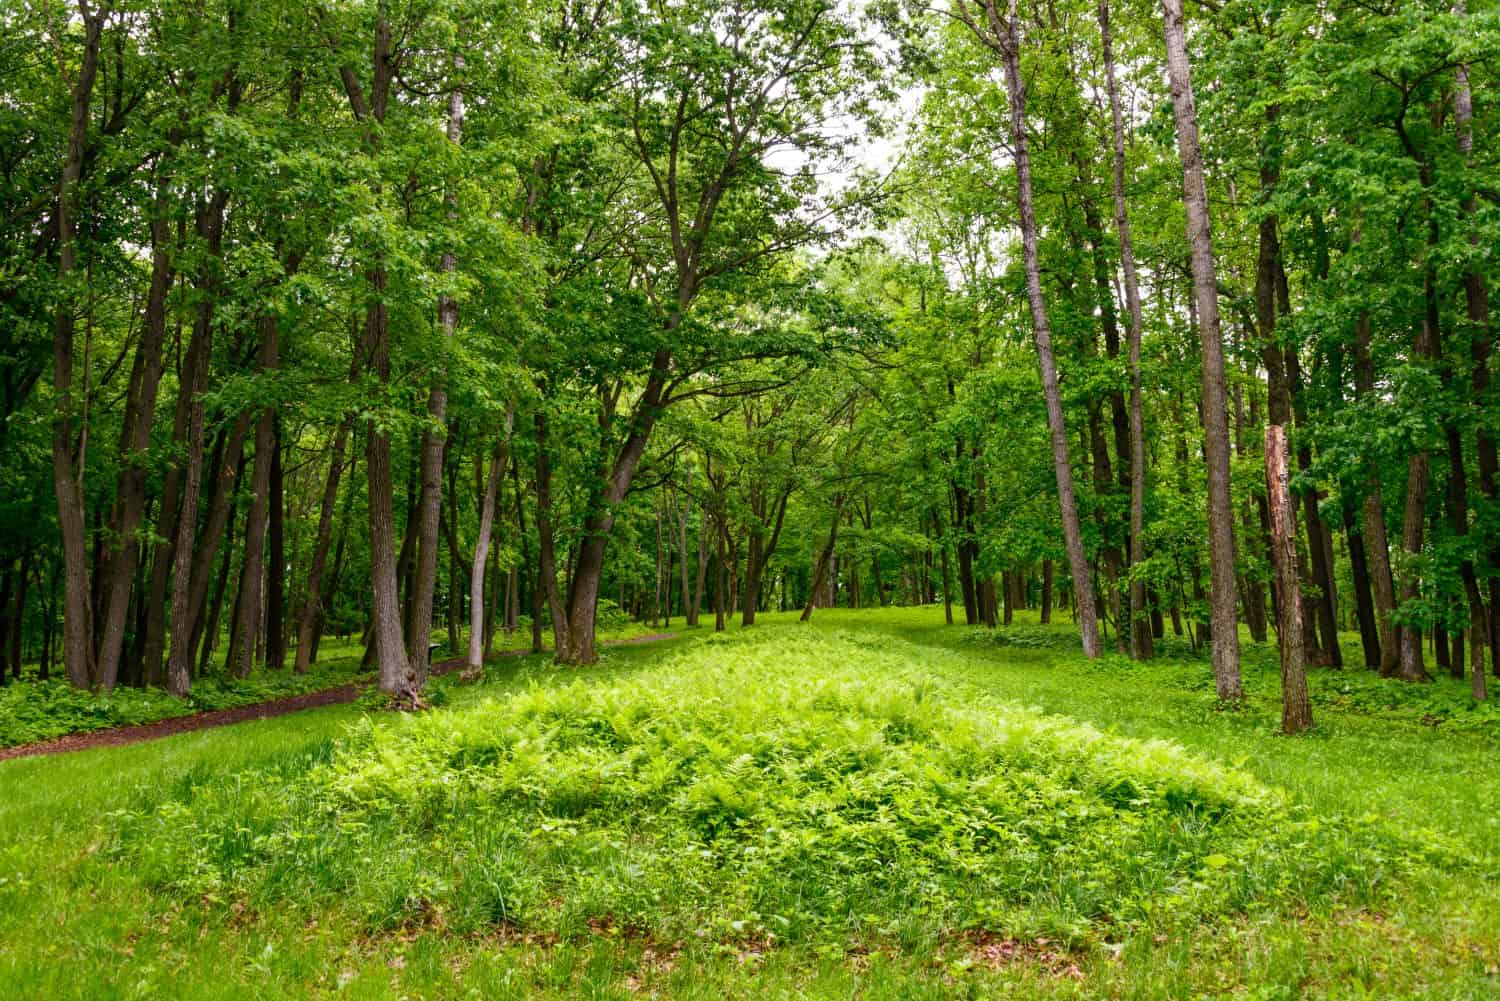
{"x": 846, "y": 497}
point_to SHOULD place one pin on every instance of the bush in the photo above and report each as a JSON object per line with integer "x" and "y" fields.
{"x": 611, "y": 617}
{"x": 777, "y": 784}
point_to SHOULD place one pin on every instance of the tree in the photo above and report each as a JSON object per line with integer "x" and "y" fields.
{"x": 1226, "y": 634}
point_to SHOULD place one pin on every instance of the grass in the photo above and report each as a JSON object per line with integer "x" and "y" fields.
{"x": 953, "y": 817}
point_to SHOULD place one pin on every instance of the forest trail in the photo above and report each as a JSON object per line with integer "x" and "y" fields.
{"x": 121, "y": 736}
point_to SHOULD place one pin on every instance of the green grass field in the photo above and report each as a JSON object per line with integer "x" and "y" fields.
{"x": 874, "y": 805}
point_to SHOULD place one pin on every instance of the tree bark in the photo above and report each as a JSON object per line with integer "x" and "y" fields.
{"x": 1226, "y": 642}
{"x": 758, "y": 553}
{"x": 1319, "y": 538}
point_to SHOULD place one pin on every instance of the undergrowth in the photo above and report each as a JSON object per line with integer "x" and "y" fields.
{"x": 777, "y": 786}
{"x": 41, "y": 710}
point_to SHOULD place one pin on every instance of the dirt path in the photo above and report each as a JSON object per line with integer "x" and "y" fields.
{"x": 121, "y": 735}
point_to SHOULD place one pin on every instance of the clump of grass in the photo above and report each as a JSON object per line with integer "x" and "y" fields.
{"x": 784, "y": 785}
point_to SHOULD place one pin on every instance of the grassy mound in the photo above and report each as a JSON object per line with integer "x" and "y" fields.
{"x": 780, "y": 785}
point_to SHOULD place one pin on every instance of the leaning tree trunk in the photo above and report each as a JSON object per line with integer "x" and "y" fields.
{"x": 1007, "y": 37}
{"x": 578, "y": 647}
{"x": 1226, "y": 637}
{"x": 78, "y": 625}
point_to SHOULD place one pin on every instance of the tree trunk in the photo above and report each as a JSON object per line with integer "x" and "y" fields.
{"x": 396, "y": 674}
{"x": 474, "y": 665}
{"x": 825, "y": 557}
{"x": 18, "y": 626}
{"x": 1296, "y": 711}
{"x": 154, "y": 653}
{"x": 1364, "y": 602}
{"x": 247, "y": 622}
{"x": 1226, "y": 643}
{"x": 135, "y": 441}
{"x": 1140, "y": 633}
{"x": 275, "y": 626}
{"x": 966, "y": 549}
{"x": 1477, "y": 308}
{"x": 703, "y": 559}
{"x": 78, "y": 625}
{"x": 1008, "y": 37}
{"x": 947, "y": 576}
{"x": 1372, "y": 518}
{"x": 425, "y": 579}
{"x": 192, "y": 565}
{"x": 583, "y": 595}
{"x": 312, "y": 609}
{"x": 547, "y": 546}
{"x": 689, "y": 614}
{"x": 1319, "y": 539}
{"x": 1411, "y": 667}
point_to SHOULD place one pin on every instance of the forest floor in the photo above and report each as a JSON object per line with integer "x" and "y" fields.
{"x": 119, "y": 736}
{"x": 185, "y": 867}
